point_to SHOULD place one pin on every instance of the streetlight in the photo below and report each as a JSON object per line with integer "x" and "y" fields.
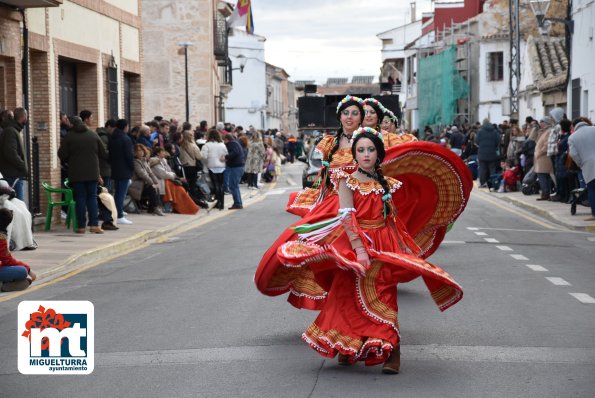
{"x": 185, "y": 45}
{"x": 243, "y": 60}
{"x": 539, "y": 8}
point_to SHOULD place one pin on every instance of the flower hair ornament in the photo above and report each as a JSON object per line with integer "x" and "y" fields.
{"x": 370, "y": 130}
{"x": 388, "y": 113}
{"x": 375, "y": 102}
{"x": 349, "y": 98}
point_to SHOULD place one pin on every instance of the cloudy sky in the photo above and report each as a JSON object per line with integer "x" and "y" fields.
{"x": 317, "y": 39}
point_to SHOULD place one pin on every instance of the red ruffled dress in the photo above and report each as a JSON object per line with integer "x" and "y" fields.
{"x": 360, "y": 314}
{"x": 437, "y": 185}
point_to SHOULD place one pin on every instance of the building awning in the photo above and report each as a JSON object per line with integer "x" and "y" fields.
{"x": 31, "y": 3}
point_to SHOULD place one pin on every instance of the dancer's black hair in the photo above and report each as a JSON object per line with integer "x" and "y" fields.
{"x": 334, "y": 149}
{"x": 381, "y": 152}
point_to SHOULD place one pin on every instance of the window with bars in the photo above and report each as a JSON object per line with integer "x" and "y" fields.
{"x": 112, "y": 91}
{"x": 495, "y": 66}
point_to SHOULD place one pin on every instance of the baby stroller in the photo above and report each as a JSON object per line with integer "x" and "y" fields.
{"x": 578, "y": 196}
{"x": 530, "y": 185}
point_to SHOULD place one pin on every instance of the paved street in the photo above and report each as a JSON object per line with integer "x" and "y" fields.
{"x": 183, "y": 318}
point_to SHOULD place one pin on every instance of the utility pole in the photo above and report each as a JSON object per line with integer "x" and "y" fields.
{"x": 515, "y": 58}
{"x": 186, "y": 45}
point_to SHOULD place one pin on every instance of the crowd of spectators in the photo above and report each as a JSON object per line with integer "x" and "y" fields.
{"x": 160, "y": 166}
{"x": 537, "y": 157}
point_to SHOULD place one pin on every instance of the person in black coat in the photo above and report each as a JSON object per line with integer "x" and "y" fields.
{"x": 488, "y": 145}
{"x": 235, "y": 161}
{"x": 82, "y": 149}
{"x": 122, "y": 163}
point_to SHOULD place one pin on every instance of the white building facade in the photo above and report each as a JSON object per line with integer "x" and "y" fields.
{"x": 246, "y": 102}
{"x": 581, "y": 88}
{"x": 494, "y": 58}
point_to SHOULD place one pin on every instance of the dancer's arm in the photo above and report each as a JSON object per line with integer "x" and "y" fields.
{"x": 346, "y": 202}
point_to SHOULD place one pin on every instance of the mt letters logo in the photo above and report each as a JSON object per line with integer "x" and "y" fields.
{"x": 56, "y": 337}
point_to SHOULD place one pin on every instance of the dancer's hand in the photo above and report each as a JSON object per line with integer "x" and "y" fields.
{"x": 363, "y": 258}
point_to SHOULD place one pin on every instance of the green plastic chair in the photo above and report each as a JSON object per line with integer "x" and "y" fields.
{"x": 68, "y": 201}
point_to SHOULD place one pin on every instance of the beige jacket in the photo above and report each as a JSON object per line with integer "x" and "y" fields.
{"x": 189, "y": 154}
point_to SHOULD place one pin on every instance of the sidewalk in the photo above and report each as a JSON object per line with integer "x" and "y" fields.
{"x": 556, "y": 212}
{"x": 62, "y": 251}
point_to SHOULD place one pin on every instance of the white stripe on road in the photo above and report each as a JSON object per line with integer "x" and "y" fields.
{"x": 537, "y": 268}
{"x": 491, "y": 240}
{"x": 519, "y": 257}
{"x": 472, "y": 228}
{"x": 591, "y": 239}
{"x": 583, "y": 298}
{"x": 558, "y": 281}
{"x": 504, "y": 248}
{"x": 276, "y": 192}
{"x": 481, "y": 234}
{"x": 251, "y": 354}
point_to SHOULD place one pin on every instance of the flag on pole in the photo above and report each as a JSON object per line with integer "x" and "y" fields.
{"x": 242, "y": 16}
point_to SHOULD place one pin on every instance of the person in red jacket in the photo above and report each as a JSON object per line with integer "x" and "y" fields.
{"x": 14, "y": 274}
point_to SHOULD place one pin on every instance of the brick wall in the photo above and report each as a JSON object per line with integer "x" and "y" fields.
{"x": 41, "y": 117}
{"x": 136, "y": 99}
{"x": 87, "y": 91}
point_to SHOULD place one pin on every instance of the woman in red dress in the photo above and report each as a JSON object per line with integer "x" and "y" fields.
{"x": 336, "y": 154}
{"x": 357, "y": 257}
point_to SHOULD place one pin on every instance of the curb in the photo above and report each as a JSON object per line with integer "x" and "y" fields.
{"x": 543, "y": 213}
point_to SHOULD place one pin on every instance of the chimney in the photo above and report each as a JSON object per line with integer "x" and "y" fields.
{"x": 412, "y": 4}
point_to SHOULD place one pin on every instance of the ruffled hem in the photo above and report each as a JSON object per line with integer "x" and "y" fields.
{"x": 371, "y": 350}
{"x": 444, "y": 289}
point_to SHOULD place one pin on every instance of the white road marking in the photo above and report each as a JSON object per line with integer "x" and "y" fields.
{"x": 591, "y": 239}
{"x": 504, "y": 248}
{"x": 481, "y": 234}
{"x": 537, "y": 268}
{"x": 276, "y": 192}
{"x": 519, "y": 257}
{"x": 472, "y": 228}
{"x": 432, "y": 352}
{"x": 583, "y": 298}
{"x": 558, "y": 281}
{"x": 491, "y": 240}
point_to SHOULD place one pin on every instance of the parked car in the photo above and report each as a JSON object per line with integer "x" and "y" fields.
{"x": 313, "y": 165}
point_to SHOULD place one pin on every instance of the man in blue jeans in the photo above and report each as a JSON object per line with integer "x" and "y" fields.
{"x": 121, "y": 158}
{"x": 235, "y": 167}
{"x": 82, "y": 148}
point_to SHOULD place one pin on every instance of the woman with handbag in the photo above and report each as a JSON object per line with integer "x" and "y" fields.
{"x": 190, "y": 157}
{"x": 215, "y": 151}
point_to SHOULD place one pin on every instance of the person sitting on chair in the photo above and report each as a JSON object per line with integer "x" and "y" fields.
{"x": 14, "y": 274}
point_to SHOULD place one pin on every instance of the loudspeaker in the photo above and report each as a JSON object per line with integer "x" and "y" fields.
{"x": 385, "y": 87}
{"x": 390, "y": 102}
{"x": 310, "y": 112}
{"x": 330, "y": 110}
{"x": 310, "y": 88}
